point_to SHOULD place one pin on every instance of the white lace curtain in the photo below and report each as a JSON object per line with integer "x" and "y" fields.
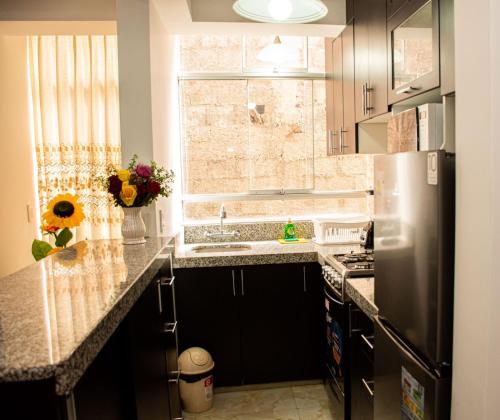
{"x": 74, "y": 86}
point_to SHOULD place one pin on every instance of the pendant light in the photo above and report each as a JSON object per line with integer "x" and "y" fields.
{"x": 278, "y": 53}
{"x": 281, "y": 11}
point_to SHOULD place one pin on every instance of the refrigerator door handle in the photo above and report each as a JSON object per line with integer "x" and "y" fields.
{"x": 404, "y": 349}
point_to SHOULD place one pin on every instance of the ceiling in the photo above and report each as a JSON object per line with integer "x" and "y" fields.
{"x": 217, "y": 16}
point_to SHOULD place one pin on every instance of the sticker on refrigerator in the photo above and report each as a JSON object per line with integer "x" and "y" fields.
{"x": 432, "y": 168}
{"x": 412, "y": 402}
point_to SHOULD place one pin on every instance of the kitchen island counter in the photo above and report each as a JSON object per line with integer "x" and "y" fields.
{"x": 57, "y": 314}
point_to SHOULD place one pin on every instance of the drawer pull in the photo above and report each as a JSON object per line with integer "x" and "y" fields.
{"x": 170, "y": 327}
{"x": 367, "y": 340}
{"x": 175, "y": 380}
{"x": 408, "y": 89}
{"x": 167, "y": 281}
{"x": 368, "y": 386}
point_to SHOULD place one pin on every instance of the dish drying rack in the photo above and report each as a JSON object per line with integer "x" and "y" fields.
{"x": 336, "y": 231}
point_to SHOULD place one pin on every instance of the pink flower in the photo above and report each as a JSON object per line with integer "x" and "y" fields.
{"x": 143, "y": 170}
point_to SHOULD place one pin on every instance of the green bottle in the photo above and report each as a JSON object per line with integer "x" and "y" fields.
{"x": 290, "y": 232}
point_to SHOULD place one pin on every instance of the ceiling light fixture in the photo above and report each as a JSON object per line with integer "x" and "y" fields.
{"x": 281, "y": 11}
{"x": 278, "y": 53}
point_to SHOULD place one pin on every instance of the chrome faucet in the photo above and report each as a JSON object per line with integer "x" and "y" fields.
{"x": 222, "y": 234}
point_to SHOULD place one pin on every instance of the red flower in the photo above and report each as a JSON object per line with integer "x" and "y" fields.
{"x": 154, "y": 187}
{"x": 115, "y": 185}
{"x": 142, "y": 189}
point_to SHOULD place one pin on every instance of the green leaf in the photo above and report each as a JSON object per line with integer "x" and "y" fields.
{"x": 63, "y": 237}
{"x": 40, "y": 249}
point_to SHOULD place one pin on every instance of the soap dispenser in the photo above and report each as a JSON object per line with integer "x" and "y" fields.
{"x": 290, "y": 233}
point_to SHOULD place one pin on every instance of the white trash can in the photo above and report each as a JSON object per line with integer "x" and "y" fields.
{"x": 196, "y": 380}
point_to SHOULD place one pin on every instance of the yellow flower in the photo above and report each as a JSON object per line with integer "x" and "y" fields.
{"x": 123, "y": 174}
{"x": 63, "y": 211}
{"x": 55, "y": 250}
{"x": 128, "y": 194}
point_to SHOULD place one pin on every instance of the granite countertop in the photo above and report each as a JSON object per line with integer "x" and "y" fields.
{"x": 362, "y": 292}
{"x": 261, "y": 252}
{"x": 57, "y": 314}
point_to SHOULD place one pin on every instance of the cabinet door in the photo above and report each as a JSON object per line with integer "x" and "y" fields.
{"x": 312, "y": 329}
{"x": 447, "y": 49}
{"x": 349, "y": 107}
{"x": 377, "y": 102}
{"x": 393, "y": 6}
{"x": 338, "y": 96}
{"x": 329, "y": 96}
{"x": 208, "y": 317}
{"x": 274, "y": 323}
{"x": 362, "y": 371}
{"x": 148, "y": 361}
{"x": 413, "y": 50}
{"x": 361, "y": 66}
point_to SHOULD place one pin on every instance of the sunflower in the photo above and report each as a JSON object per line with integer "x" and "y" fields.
{"x": 64, "y": 211}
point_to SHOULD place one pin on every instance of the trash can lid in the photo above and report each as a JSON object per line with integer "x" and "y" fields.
{"x": 195, "y": 360}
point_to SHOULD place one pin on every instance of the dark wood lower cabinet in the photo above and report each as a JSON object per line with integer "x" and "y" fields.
{"x": 260, "y": 323}
{"x": 362, "y": 370}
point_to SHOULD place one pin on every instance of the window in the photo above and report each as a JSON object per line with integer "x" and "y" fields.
{"x": 253, "y": 134}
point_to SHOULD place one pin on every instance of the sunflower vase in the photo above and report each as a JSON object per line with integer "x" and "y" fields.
{"x": 133, "y": 227}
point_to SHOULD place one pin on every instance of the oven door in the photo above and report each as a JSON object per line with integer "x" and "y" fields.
{"x": 336, "y": 350}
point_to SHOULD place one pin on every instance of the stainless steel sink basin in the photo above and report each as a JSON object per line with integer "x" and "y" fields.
{"x": 221, "y": 248}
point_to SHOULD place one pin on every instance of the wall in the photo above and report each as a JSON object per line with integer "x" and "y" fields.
{"x": 136, "y": 124}
{"x": 16, "y": 158}
{"x": 58, "y": 10}
{"x": 476, "y": 360}
{"x": 165, "y": 114}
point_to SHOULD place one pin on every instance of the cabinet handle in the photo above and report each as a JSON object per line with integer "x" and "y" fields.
{"x": 175, "y": 380}
{"x": 305, "y": 281}
{"x": 234, "y": 283}
{"x": 351, "y": 330}
{"x": 364, "y": 99}
{"x": 170, "y": 327}
{"x": 367, "y": 341}
{"x": 342, "y": 145}
{"x": 242, "y": 284}
{"x": 368, "y": 105}
{"x": 408, "y": 89}
{"x": 167, "y": 281}
{"x": 367, "y": 386}
{"x": 330, "y": 144}
{"x": 158, "y": 286}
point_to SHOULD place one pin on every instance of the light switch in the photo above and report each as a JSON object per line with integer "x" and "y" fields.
{"x": 30, "y": 213}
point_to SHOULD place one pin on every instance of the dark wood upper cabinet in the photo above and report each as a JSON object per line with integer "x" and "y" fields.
{"x": 341, "y": 124}
{"x": 413, "y": 46}
{"x": 348, "y": 138}
{"x": 447, "y": 51}
{"x": 393, "y": 6}
{"x": 329, "y": 96}
{"x": 370, "y": 49}
{"x": 349, "y": 10}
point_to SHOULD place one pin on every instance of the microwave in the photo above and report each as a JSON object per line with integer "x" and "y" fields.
{"x": 418, "y": 128}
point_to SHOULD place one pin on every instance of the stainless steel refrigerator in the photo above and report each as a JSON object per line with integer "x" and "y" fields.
{"x": 414, "y": 259}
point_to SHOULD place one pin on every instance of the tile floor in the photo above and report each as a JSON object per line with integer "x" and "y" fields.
{"x": 309, "y": 402}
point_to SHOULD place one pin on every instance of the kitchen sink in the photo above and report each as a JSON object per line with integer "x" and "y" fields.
{"x": 221, "y": 248}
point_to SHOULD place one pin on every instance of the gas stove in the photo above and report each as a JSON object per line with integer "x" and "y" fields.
{"x": 339, "y": 267}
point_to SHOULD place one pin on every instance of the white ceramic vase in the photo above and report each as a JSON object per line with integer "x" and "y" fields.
{"x": 133, "y": 227}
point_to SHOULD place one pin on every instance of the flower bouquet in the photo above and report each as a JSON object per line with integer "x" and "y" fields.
{"x": 133, "y": 188}
{"x": 63, "y": 213}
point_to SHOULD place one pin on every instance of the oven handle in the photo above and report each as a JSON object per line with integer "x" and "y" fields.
{"x": 338, "y": 302}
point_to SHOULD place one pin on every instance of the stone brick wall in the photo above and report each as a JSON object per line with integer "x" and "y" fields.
{"x": 229, "y": 148}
